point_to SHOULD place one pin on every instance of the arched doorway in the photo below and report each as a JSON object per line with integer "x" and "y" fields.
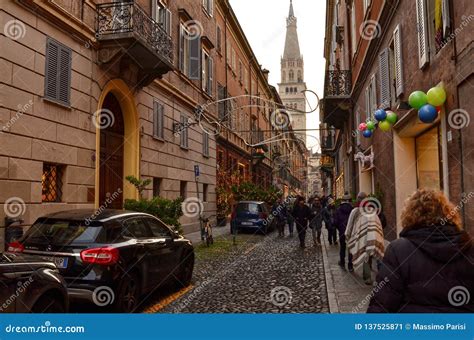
{"x": 111, "y": 154}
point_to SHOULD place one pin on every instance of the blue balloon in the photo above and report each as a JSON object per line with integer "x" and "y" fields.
{"x": 427, "y": 113}
{"x": 380, "y": 115}
{"x": 367, "y": 133}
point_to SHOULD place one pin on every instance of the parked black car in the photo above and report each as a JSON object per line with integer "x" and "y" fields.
{"x": 251, "y": 216}
{"x": 31, "y": 285}
{"x": 111, "y": 257}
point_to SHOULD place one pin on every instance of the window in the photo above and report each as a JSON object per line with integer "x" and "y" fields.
{"x": 208, "y": 6}
{"x": 184, "y": 131}
{"x": 291, "y": 75}
{"x": 204, "y": 192}
{"x": 57, "y": 86}
{"x": 283, "y": 77}
{"x": 442, "y": 24}
{"x": 429, "y": 160}
{"x": 205, "y": 144}
{"x": 136, "y": 228}
{"x": 241, "y": 71}
{"x": 158, "y": 228}
{"x": 221, "y": 105}
{"x": 207, "y": 72}
{"x": 158, "y": 120}
{"x": 189, "y": 50}
{"x": 157, "y": 186}
{"x": 385, "y": 83}
{"x": 183, "y": 188}
{"x": 353, "y": 28}
{"x": 162, "y": 16}
{"x": 52, "y": 182}
{"x": 219, "y": 40}
{"x": 422, "y": 31}
{"x": 300, "y": 76}
{"x": 234, "y": 60}
{"x": 371, "y": 98}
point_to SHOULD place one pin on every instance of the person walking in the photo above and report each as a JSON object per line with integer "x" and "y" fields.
{"x": 301, "y": 214}
{"x": 328, "y": 217}
{"x": 290, "y": 219}
{"x": 429, "y": 268}
{"x": 279, "y": 212}
{"x": 316, "y": 223}
{"x": 341, "y": 216}
{"x": 365, "y": 238}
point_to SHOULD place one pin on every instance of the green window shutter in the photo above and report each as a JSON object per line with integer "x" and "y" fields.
{"x": 384, "y": 69}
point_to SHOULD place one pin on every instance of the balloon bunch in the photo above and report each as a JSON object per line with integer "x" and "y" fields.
{"x": 428, "y": 104}
{"x": 384, "y": 120}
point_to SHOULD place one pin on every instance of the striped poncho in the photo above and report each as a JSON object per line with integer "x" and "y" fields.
{"x": 365, "y": 236}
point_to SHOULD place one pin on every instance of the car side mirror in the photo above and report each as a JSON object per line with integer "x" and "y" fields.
{"x": 176, "y": 233}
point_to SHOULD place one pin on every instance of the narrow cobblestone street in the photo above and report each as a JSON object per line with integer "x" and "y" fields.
{"x": 265, "y": 274}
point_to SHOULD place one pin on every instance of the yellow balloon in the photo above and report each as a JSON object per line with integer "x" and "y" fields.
{"x": 436, "y": 96}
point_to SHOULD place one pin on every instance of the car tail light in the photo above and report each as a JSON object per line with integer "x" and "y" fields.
{"x": 15, "y": 247}
{"x": 104, "y": 255}
{"x": 263, "y": 215}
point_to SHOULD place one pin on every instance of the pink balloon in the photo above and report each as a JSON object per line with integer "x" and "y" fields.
{"x": 362, "y": 126}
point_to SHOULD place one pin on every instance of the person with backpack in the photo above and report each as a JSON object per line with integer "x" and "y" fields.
{"x": 341, "y": 217}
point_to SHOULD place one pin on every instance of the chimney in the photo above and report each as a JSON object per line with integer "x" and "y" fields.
{"x": 265, "y": 73}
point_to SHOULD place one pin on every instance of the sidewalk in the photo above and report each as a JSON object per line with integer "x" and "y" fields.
{"x": 347, "y": 292}
{"x": 195, "y": 237}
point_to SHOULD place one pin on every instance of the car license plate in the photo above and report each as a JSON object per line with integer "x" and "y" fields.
{"x": 247, "y": 223}
{"x": 60, "y": 262}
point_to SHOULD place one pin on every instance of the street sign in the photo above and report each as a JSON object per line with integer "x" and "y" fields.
{"x": 196, "y": 171}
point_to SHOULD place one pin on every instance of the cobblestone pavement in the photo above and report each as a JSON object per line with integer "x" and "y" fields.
{"x": 263, "y": 275}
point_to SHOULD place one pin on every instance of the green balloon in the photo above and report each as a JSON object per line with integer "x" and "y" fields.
{"x": 391, "y": 117}
{"x": 371, "y": 125}
{"x": 385, "y": 126}
{"x": 417, "y": 99}
{"x": 436, "y": 96}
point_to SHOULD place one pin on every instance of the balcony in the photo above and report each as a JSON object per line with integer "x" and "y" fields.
{"x": 337, "y": 97}
{"x": 128, "y": 35}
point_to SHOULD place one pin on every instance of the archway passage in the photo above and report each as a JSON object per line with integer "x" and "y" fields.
{"x": 111, "y": 154}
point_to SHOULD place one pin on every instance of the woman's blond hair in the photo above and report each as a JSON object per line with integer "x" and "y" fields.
{"x": 427, "y": 207}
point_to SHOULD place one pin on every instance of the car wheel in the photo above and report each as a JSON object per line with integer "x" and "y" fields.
{"x": 128, "y": 294}
{"x": 186, "y": 271}
{"x": 48, "y": 304}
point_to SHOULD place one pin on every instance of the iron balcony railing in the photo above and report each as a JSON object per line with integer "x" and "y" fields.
{"x": 338, "y": 83}
{"x": 123, "y": 19}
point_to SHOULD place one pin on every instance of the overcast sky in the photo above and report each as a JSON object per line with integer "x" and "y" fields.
{"x": 264, "y": 23}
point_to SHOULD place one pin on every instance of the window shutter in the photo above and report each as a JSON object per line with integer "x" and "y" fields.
{"x": 422, "y": 29}
{"x": 158, "y": 120}
{"x": 168, "y": 21}
{"x": 182, "y": 41}
{"x": 397, "y": 46}
{"x": 218, "y": 38}
{"x": 373, "y": 96}
{"x": 384, "y": 68}
{"x": 205, "y": 144}
{"x": 64, "y": 75}
{"x": 210, "y": 77}
{"x": 367, "y": 102}
{"x": 203, "y": 71}
{"x": 154, "y": 10}
{"x": 51, "y": 72}
{"x": 58, "y": 72}
{"x": 211, "y": 7}
{"x": 194, "y": 58}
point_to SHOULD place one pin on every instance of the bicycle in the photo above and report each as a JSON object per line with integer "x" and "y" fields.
{"x": 206, "y": 230}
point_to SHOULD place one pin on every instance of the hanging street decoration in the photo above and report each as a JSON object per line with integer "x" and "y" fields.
{"x": 367, "y": 133}
{"x": 427, "y": 113}
{"x": 371, "y": 125}
{"x": 380, "y": 115}
{"x": 429, "y": 104}
{"x": 417, "y": 99}
{"x": 391, "y": 117}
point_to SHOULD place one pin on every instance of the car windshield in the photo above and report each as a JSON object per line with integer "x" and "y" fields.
{"x": 247, "y": 207}
{"x": 58, "y": 232}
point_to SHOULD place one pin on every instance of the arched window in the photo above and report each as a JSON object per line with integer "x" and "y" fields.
{"x": 300, "y": 77}
{"x": 286, "y": 90}
{"x": 295, "y": 89}
{"x": 291, "y": 75}
{"x": 283, "y": 77}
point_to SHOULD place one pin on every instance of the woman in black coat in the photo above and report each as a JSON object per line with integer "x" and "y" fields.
{"x": 430, "y": 268}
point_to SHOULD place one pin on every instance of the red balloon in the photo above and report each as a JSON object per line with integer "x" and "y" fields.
{"x": 438, "y": 108}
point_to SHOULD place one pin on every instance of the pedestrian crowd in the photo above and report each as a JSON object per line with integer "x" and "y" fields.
{"x": 433, "y": 256}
